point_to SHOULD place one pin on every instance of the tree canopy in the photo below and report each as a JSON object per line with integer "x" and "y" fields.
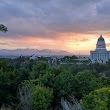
{"x": 51, "y": 84}
{"x": 97, "y": 100}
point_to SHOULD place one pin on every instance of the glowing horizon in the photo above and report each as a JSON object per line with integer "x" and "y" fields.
{"x": 76, "y": 45}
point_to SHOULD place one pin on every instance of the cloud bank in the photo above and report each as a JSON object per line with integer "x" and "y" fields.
{"x": 48, "y": 18}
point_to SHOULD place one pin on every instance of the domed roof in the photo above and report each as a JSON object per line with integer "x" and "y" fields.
{"x": 101, "y": 45}
{"x": 101, "y": 38}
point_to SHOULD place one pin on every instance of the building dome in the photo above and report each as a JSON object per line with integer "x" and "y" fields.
{"x": 100, "y": 43}
{"x": 101, "y": 39}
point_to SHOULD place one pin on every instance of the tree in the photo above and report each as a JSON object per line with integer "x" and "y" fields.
{"x": 41, "y": 98}
{"x": 47, "y": 79}
{"x": 65, "y": 85}
{"x": 86, "y": 83}
{"x": 39, "y": 68}
{"x": 97, "y": 100}
{"x": 22, "y": 74}
{"x": 104, "y": 81}
{"x": 77, "y": 68}
{"x": 3, "y": 28}
{"x": 8, "y": 87}
{"x": 34, "y": 97}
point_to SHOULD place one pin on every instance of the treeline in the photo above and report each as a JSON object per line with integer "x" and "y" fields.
{"x": 34, "y": 85}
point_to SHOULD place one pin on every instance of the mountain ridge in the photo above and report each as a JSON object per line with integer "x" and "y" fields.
{"x": 27, "y": 52}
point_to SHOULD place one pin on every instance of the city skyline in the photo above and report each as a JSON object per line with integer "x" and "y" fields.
{"x": 72, "y": 26}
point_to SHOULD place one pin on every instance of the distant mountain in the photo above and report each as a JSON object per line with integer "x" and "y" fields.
{"x": 27, "y": 52}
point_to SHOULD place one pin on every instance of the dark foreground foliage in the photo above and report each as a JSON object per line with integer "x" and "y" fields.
{"x": 41, "y": 87}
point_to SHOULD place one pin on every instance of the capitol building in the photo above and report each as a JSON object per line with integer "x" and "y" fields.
{"x": 100, "y": 54}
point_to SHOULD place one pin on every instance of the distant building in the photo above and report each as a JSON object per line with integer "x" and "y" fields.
{"x": 53, "y": 61}
{"x": 33, "y": 57}
{"x": 84, "y": 59}
{"x": 100, "y": 55}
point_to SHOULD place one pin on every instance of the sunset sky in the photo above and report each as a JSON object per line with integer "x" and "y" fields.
{"x": 70, "y": 25}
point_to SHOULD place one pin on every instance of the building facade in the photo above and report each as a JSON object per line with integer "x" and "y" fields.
{"x": 100, "y": 55}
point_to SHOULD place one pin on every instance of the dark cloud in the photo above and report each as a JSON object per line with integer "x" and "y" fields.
{"x": 47, "y": 18}
{"x": 103, "y": 8}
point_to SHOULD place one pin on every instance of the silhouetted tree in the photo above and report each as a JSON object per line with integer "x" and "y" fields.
{"x": 3, "y": 28}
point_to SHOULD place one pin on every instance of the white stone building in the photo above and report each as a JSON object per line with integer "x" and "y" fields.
{"x": 100, "y": 55}
{"x": 33, "y": 57}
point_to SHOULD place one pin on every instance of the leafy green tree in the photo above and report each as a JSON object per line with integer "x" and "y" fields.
{"x": 65, "y": 85}
{"x": 21, "y": 75}
{"x": 3, "y": 28}
{"x": 77, "y": 68}
{"x": 98, "y": 67}
{"x": 97, "y": 100}
{"x": 86, "y": 83}
{"x": 8, "y": 88}
{"x": 39, "y": 68}
{"x": 69, "y": 57}
{"x": 104, "y": 81}
{"x": 41, "y": 98}
{"x": 47, "y": 79}
{"x": 4, "y": 64}
{"x": 60, "y": 69}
